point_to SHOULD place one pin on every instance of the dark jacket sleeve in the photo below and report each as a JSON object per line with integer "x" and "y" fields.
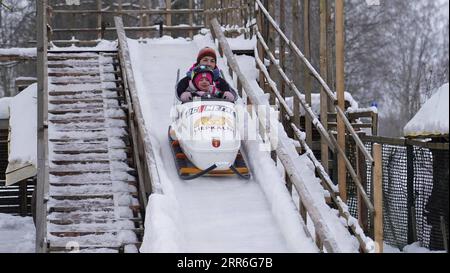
{"x": 182, "y": 85}
{"x": 223, "y": 86}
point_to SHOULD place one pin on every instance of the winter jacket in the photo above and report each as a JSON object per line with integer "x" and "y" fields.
{"x": 221, "y": 84}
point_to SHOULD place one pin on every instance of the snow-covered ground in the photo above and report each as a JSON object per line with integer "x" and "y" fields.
{"x": 17, "y": 234}
{"x": 207, "y": 214}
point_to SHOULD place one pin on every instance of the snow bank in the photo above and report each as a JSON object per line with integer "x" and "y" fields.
{"x": 23, "y": 124}
{"x": 4, "y": 107}
{"x": 17, "y": 234}
{"x": 412, "y": 248}
{"x": 241, "y": 43}
{"x": 432, "y": 118}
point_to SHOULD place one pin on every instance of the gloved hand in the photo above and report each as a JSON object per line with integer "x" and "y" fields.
{"x": 228, "y": 96}
{"x": 200, "y": 93}
{"x": 186, "y": 96}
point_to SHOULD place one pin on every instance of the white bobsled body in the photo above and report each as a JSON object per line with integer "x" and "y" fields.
{"x": 207, "y": 131}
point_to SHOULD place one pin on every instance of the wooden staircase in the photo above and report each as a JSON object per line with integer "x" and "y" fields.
{"x": 93, "y": 191}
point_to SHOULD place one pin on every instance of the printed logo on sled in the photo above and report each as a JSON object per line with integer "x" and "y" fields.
{"x": 210, "y": 108}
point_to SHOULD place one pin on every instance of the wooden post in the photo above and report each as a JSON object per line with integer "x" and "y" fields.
{"x": 23, "y": 197}
{"x": 42, "y": 152}
{"x": 297, "y": 63}
{"x": 361, "y": 168}
{"x": 281, "y": 82}
{"x": 378, "y": 196}
{"x": 308, "y": 87}
{"x": 340, "y": 89}
{"x": 206, "y": 9}
{"x": 374, "y": 124}
{"x": 191, "y": 18}
{"x": 330, "y": 50}
{"x": 99, "y": 20}
{"x": 168, "y": 14}
{"x": 324, "y": 74}
{"x": 142, "y": 17}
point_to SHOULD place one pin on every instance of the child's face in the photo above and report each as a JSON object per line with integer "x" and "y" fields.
{"x": 208, "y": 61}
{"x": 204, "y": 84}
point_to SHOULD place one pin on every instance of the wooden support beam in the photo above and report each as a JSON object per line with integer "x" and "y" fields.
{"x": 306, "y": 73}
{"x": 340, "y": 90}
{"x": 378, "y": 197}
{"x": 99, "y": 20}
{"x": 42, "y": 129}
{"x": 324, "y": 73}
{"x": 191, "y": 18}
{"x": 297, "y": 64}
{"x": 168, "y": 15}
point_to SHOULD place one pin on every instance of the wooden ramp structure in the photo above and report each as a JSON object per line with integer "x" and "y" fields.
{"x": 97, "y": 166}
{"x": 93, "y": 196}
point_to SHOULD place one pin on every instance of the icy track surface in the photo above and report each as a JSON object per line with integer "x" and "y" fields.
{"x": 207, "y": 214}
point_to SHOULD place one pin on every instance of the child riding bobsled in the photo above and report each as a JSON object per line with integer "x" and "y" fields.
{"x": 203, "y": 80}
{"x": 204, "y": 134}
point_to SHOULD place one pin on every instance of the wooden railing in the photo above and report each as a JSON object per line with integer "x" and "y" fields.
{"x": 291, "y": 119}
{"x": 266, "y": 24}
{"x": 142, "y": 26}
{"x": 324, "y": 237}
{"x": 144, "y": 157}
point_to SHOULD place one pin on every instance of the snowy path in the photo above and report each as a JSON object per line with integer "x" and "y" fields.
{"x": 217, "y": 214}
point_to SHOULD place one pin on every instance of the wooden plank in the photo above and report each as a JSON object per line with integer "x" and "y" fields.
{"x": 306, "y": 73}
{"x": 42, "y": 150}
{"x": 297, "y": 64}
{"x": 324, "y": 73}
{"x": 378, "y": 197}
{"x": 340, "y": 90}
{"x": 191, "y": 18}
{"x": 99, "y": 20}
{"x": 130, "y": 12}
{"x": 168, "y": 15}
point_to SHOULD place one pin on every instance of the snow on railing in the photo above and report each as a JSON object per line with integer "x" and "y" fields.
{"x": 146, "y": 164}
{"x": 280, "y": 145}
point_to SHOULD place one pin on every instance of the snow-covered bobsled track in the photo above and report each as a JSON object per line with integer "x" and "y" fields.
{"x": 92, "y": 203}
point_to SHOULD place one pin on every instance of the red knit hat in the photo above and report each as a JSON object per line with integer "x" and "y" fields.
{"x": 198, "y": 77}
{"x": 207, "y": 51}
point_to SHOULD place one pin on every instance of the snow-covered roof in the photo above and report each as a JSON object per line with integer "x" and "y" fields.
{"x": 23, "y": 144}
{"x": 4, "y": 107}
{"x": 432, "y": 118}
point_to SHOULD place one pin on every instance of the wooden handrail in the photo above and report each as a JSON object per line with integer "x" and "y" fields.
{"x": 322, "y": 82}
{"x": 283, "y": 154}
{"x": 124, "y": 12}
{"x": 294, "y": 88}
{"x": 144, "y": 138}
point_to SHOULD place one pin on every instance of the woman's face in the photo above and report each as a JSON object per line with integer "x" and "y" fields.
{"x": 203, "y": 85}
{"x": 208, "y": 61}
